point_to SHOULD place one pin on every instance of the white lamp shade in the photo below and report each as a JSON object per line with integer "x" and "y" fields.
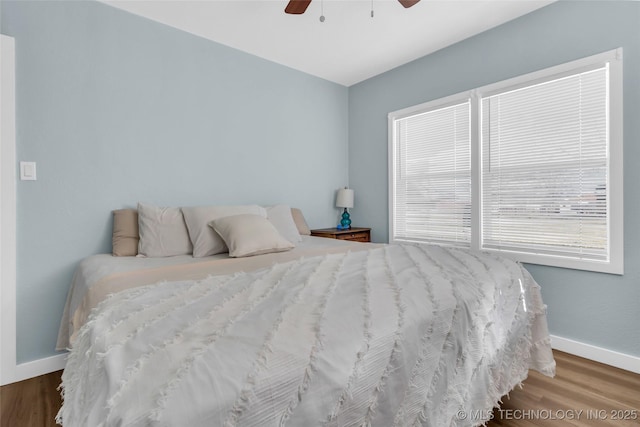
{"x": 344, "y": 199}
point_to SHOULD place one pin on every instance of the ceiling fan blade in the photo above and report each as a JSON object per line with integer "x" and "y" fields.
{"x": 408, "y": 3}
{"x": 297, "y": 7}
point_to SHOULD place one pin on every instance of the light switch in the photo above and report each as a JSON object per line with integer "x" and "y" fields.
{"x": 28, "y": 171}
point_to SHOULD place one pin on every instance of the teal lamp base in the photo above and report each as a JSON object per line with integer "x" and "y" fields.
{"x": 345, "y": 222}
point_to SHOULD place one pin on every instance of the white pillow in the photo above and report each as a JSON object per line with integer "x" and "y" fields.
{"x": 205, "y": 241}
{"x": 248, "y": 235}
{"x": 282, "y": 219}
{"x": 162, "y": 232}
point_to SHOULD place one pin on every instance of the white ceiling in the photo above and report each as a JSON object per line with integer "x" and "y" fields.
{"x": 349, "y": 46}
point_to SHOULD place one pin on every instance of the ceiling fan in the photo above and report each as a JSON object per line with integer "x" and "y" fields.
{"x": 297, "y": 7}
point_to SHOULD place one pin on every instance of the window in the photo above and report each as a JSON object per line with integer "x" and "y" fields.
{"x": 433, "y": 174}
{"x": 531, "y": 167}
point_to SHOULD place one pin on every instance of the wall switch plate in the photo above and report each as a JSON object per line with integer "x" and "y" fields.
{"x": 28, "y": 171}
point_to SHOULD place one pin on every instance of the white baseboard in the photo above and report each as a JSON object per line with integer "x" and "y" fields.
{"x": 598, "y": 354}
{"x": 36, "y": 368}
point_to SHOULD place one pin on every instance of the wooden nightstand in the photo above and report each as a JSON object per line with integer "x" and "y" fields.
{"x": 354, "y": 234}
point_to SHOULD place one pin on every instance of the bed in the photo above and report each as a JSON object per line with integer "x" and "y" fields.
{"x": 329, "y": 333}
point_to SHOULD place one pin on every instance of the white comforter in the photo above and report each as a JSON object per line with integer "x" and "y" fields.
{"x": 391, "y": 336}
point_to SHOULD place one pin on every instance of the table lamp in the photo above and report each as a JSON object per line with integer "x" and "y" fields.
{"x": 344, "y": 199}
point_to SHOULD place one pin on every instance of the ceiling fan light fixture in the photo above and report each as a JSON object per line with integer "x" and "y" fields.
{"x": 298, "y": 7}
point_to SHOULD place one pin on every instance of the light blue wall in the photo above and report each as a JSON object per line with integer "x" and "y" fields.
{"x": 599, "y": 309}
{"x": 116, "y": 109}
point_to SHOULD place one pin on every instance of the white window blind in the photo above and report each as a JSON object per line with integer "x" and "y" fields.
{"x": 545, "y": 167}
{"x": 531, "y": 167}
{"x": 432, "y": 178}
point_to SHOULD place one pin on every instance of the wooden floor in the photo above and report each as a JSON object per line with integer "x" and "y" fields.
{"x": 31, "y": 403}
{"x": 583, "y": 393}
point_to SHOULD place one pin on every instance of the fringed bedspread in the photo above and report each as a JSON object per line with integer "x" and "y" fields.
{"x": 392, "y": 336}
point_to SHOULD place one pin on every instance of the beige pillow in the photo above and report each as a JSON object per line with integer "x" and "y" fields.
{"x": 162, "y": 232}
{"x": 248, "y": 235}
{"x": 300, "y": 222}
{"x": 125, "y": 236}
{"x": 205, "y": 241}
{"x": 282, "y": 219}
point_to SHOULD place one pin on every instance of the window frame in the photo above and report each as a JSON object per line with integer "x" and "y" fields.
{"x": 615, "y": 230}
{"x": 438, "y": 104}
{"x": 449, "y": 101}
